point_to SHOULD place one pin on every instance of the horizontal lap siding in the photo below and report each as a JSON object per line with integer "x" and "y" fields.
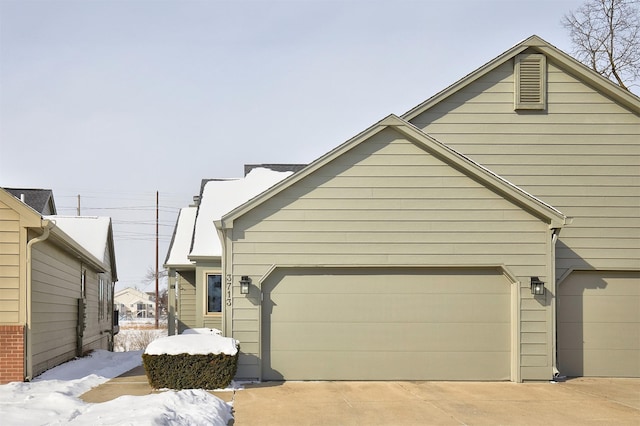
{"x": 582, "y": 156}
{"x": 387, "y": 202}
{"x": 9, "y": 266}
{"x": 186, "y": 301}
{"x": 56, "y": 288}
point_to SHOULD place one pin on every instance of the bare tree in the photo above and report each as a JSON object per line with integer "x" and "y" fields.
{"x": 150, "y": 275}
{"x": 606, "y": 38}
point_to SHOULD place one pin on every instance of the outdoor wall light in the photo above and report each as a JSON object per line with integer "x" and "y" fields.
{"x": 245, "y": 282}
{"x": 537, "y": 286}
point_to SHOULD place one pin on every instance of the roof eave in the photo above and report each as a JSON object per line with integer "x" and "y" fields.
{"x": 542, "y": 210}
{"x": 554, "y": 217}
{"x": 226, "y": 222}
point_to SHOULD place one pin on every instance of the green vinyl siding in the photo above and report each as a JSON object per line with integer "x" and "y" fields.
{"x": 386, "y": 202}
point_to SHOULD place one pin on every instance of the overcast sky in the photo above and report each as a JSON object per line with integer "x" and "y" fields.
{"x": 115, "y": 100}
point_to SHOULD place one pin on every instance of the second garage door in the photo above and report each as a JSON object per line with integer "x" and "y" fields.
{"x": 599, "y": 324}
{"x": 386, "y": 324}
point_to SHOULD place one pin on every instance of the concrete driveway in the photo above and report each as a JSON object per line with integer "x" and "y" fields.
{"x": 574, "y": 402}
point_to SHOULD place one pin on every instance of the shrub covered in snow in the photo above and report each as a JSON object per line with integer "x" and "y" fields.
{"x": 191, "y": 361}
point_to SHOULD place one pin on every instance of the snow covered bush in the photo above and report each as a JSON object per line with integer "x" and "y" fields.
{"x": 191, "y": 361}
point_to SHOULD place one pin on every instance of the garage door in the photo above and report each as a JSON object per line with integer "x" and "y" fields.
{"x": 599, "y": 324}
{"x": 386, "y": 324}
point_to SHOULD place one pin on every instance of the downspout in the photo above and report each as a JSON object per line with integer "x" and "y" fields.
{"x": 554, "y": 307}
{"x": 228, "y": 298}
{"x": 47, "y": 226}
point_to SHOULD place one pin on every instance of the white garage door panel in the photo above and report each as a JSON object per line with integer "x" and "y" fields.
{"x": 599, "y": 324}
{"x": 386, "y": 324}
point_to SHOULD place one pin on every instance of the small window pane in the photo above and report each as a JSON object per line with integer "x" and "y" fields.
{"x": 214, "y": 293}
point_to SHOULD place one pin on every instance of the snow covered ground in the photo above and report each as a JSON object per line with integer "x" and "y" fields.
{"x": 53, "y": 398}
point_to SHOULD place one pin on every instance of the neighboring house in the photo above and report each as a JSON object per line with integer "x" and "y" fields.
{"x": 41, "y": 200}
{"x": 56, "y": 285}
{"x": 193, "y": 260}
{"x": 412, "y": 251}
{"x": 132, "y": 303}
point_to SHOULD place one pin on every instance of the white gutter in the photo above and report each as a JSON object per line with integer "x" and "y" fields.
{"x": 47, "y": 226}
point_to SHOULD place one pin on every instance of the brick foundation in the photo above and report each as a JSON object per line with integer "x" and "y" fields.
{"x": 11, "y": 353}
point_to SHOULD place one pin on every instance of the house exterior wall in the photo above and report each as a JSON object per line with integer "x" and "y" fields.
{"x": 387, "y": 202}
{"x": 203, "y": 319}
{"x": 12, "y": 255}
{"x": 12, "y": 294}
{"x": 56, "y": 281}
{"x": 186, "y": 303}
{"x": 581, "y": 155}
{"x": 54, "y": 270}
{"x": 12, "y": 353}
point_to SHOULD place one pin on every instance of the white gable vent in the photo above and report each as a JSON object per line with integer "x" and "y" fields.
{"x": 530, "y": 81}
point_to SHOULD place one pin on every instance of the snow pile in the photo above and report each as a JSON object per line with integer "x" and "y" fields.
{"x": 53, "y": 398}
{"x": 202, "y": 331}
{"x": 186, "y": 407}
{"x": 193, "y": 344}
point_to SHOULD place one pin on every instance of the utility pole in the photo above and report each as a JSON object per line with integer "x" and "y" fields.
{"x": 78, "y": 204}
{"x": 157, "y": 293}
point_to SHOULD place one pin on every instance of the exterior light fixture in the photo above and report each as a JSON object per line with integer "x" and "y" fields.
{"x": 245, "y": 282}
{"x": 537, "y": 286}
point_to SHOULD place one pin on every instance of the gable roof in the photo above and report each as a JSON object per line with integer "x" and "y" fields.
{"x": 221, "y": 196}
{"x": 32, "y": 219}
{"x": 180, "y": 246}
{"x": 561, "y": 59}
{"x": 41, "y": 200}
{"x": 450, "y": 156}
{"x": 93, "y": 233}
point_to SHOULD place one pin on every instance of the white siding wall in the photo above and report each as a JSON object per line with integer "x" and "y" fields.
{"x": 388, "y": 202}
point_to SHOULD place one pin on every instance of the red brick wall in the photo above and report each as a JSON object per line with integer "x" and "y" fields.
{"x": 11, "y": 353}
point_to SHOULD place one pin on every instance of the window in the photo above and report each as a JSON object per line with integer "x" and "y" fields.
{"x": 530, "y": 82}
{"x": 214, "y": 293}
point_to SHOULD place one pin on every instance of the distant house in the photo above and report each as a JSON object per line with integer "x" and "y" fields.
{"x": 132, "y": 303}
{"x": 489, "y": 233}
{"x": 56, "y": 284}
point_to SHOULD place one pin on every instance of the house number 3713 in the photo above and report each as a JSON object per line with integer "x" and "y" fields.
{"x": 229, "y": 283}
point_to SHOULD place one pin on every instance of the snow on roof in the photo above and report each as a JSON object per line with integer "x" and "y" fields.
{"x": 90, "y": 232}
{"x": 193, "y": 344}
{"x": 220, "y": 197}
{"x": 181, "y": 244}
